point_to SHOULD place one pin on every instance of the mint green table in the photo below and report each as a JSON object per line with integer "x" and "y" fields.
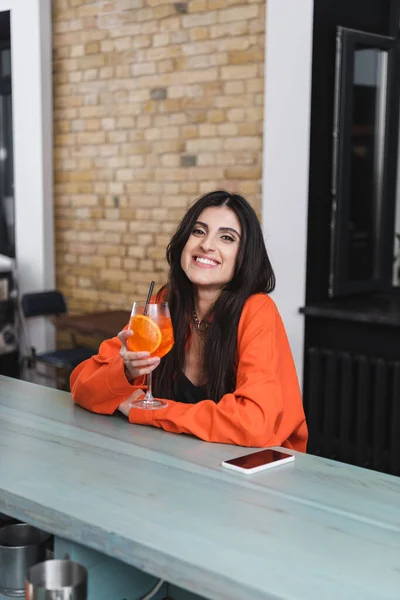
{"x": 161, "y": 506}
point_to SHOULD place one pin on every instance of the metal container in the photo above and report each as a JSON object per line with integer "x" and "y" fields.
{"x": 57, "y": 580}
{"x": 21, "y": 546}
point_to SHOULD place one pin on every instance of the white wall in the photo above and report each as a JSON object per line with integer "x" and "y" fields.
{"x": 286, "y": 151}
{"x": 31, "y": 58}
{"x": 288, "y": 61}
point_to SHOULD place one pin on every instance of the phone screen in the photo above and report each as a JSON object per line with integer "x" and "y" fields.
{"x": 264, "y": 457}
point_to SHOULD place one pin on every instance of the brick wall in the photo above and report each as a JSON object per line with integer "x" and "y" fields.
{"x": 155, "y": 103}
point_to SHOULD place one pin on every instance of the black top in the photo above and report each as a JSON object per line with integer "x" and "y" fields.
{"x": 185, "y": 391}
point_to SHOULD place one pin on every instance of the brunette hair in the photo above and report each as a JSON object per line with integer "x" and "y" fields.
{"x": 253, "y": 274}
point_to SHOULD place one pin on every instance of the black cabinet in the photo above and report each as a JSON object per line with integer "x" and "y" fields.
{"x": 352, "y": 311}
{"x": 9, "y": 355}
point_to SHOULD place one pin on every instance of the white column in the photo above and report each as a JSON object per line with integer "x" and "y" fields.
{"x": 31, "y": 60}
{"x": 288, "y": 60}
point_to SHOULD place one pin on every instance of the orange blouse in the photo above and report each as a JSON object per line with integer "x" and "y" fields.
{"x": 265, "y": 409}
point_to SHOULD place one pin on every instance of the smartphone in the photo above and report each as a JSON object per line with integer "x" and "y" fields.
{"x": 258, "y": 461}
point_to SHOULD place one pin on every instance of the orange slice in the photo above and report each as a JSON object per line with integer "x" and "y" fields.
{"x": 146, "y": 335}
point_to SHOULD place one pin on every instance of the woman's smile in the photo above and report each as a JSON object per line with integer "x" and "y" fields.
{"x": 209, "y": 256}
{"x": 204, "y": 262}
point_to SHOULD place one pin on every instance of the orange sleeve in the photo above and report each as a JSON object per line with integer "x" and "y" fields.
{"x": 265, "y": 409}
{"x": 99, "y": 383}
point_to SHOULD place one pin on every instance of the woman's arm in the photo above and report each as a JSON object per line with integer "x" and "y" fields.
{"x": 101, "y": 383}
{"x": 266, "y": 407}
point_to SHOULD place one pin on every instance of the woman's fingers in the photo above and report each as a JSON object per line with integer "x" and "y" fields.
{"x": 128, "y": 355}
{"x": 124, "y": 352}
{"x": 138, "y": 359}
{"x": 124, "y": 335}
{"x": 145, "y": 362}
{"x": 142, "y": 367}
{"x": 137, "y": 363}
{"x": 146, "y": 370}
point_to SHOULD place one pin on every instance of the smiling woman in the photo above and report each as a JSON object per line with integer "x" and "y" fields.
{"x": 230, "y": 376}
{"x": 209, "y": 256}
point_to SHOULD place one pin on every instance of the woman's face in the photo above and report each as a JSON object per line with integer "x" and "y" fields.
{"x": 209, "y": 256}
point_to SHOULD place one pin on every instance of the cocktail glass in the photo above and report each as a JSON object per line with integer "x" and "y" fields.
{"x": 152, "y": 332}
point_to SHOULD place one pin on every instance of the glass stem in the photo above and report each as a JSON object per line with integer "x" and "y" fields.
{"x": 149, "y": 395}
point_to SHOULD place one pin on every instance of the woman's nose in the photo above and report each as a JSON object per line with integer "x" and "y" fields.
{"x": 207, "y": 244}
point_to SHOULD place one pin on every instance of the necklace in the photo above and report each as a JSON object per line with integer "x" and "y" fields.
{"x": 200, "y": 325}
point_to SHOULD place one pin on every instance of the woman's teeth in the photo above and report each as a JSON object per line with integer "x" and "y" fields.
{"x": 206, "y": 261}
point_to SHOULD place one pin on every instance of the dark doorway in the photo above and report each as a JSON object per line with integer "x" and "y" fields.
{"x": 352, "y": 312}
{"x": 8, "y": 335}
{"x": 7, "y": 205}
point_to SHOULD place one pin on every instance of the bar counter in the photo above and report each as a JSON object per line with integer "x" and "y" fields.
{"x": 135, "y": 504}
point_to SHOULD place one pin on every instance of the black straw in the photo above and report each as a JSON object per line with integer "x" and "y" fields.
{"x": 146, "y": 308}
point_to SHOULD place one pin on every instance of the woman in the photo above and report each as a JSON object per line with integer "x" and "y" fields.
{"x": 230, "y": 377}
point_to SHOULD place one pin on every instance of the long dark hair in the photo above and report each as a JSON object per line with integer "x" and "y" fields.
{"x": 253, "y": 273}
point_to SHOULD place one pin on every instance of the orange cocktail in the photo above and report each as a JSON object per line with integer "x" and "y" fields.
{"x": 152, "y": 332}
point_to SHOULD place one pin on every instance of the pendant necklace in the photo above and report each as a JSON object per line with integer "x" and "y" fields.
{"x": 201, "y": 326}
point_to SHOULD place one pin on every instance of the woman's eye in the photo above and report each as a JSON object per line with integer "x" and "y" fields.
{"x": 228, "y": 238}
{"x": 197, "y": 231}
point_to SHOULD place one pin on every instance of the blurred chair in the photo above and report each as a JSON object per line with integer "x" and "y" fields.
{"x": 62, "y": 362}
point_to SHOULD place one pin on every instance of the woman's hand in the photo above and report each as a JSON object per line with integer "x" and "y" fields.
{"x": 125, "y": 406}
{"x": 136, "y": 363}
